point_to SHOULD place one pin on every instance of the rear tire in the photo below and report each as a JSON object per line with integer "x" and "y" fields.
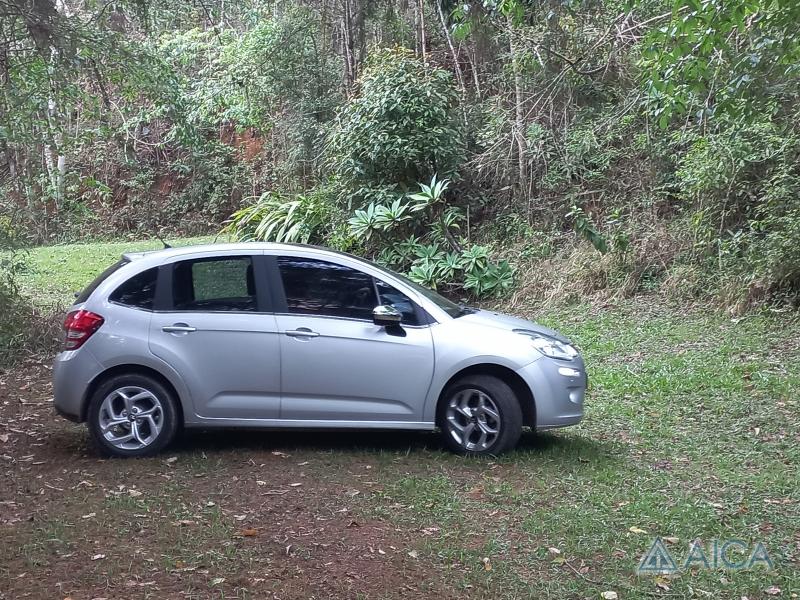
{"x": 132, "y": 415}
{"x": 480, "y": 415}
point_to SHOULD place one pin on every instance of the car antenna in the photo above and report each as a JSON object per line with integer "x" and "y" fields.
{"x": 160, "y": 239}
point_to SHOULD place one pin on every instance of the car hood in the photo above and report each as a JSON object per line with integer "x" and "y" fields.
{"x": 489, "y": 318}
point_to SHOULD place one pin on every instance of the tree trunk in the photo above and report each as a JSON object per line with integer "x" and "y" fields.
{"x": 462, "y": 88}
{"x": 421, "y": 8}
{"x": 518, "y": 130}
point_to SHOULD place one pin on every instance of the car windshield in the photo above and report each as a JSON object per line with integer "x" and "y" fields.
{"x": 448, "y": 306}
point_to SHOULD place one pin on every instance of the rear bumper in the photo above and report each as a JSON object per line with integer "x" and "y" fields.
{"x": 73, "y": 371}
{"x": 558, "y": 398}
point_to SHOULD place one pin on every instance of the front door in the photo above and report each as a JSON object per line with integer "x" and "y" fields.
{"x": 215, "y": 332}
{"x": 335, "y": 363}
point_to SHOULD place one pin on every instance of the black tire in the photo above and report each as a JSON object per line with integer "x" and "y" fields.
{"x": 506, "y": 403}
{"x": 169, "y": 421}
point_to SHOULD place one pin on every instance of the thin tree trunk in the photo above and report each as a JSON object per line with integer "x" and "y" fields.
{"x": 347, "y": 27}
{"x": 473, "y": 61}
{"x": 518, "y": 130}
{"x": 421, "y": 7}
{"x": 459, "y": 75}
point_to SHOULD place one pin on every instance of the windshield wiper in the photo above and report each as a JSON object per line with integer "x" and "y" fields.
{"x": 467, "y": 310}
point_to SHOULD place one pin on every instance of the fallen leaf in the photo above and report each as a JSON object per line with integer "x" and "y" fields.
{"x": 414, "y": 554}
{"x": 217, "y": 580}
{"x": 134, "y": 493}
{"x": 636, "y": 530}
{"x": 98, "y": 556}
{"x": 609, "y": 595}
{"x": 671, "y": 540}
{"x": 89, "y": 516}
{"x": 172, "y": 459}
{"x": 4, "y": 438}
{"x": 487, "y": 564}
{"x": 276, "y": 453}
{"x": 184, "y": 522}
{"x": 476, "y": 493}
{"x": 662, "y": 583}
{"x": 249, "y": 532}
{"x": 554, "y": 551}
{"x": 773, "y": 590}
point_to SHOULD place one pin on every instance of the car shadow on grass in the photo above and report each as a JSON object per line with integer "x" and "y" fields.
{"x": 73, "y": 439}
{"x": 372, "y": 442}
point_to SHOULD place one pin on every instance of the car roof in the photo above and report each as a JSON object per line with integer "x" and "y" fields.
{"x": 228, "y": 247}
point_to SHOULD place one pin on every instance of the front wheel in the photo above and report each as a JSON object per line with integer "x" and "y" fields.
{"x": 132, "y": 415}
{"x": 480, "y": 415}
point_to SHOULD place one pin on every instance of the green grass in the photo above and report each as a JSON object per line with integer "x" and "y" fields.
{"x": 54, "y": 273}
{"x": 691, "y": 432}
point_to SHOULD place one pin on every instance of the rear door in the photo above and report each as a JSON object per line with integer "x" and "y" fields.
{"x": 336, "y": 365}
{"x": 215, "y": 327}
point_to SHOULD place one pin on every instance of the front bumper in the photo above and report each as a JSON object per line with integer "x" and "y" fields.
{"x": 558, "y": 398}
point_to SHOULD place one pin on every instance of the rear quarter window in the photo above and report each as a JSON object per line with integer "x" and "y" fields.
{"x": 139, "y": 291}
{"x": 89, "y": 289}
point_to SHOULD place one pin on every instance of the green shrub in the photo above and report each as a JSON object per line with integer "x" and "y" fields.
{"x": 401, "y": 128}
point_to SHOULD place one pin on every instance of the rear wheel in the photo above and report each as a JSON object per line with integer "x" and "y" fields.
{"x": 480, "y": 415}
{"x": 132, "y": 415}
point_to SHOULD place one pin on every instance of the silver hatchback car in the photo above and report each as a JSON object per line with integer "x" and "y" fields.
{"x": 290, "y": 336}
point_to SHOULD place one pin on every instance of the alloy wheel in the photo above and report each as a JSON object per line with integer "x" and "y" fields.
{"x": 131, "y": 418}
{"x": 473, "y": 420}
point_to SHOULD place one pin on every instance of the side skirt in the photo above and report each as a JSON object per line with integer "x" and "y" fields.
{"x": 309, "y": 424}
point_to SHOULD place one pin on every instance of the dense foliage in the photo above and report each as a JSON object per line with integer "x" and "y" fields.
{"x": 616, "y": 147}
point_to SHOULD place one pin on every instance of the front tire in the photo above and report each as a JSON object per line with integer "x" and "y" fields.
{"x": 132, "y": 415}
{"x": 480, "y": 415}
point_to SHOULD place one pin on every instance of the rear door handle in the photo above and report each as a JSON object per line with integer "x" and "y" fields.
{"x": 302, "y": 332}
{"x": 178, "y": 328}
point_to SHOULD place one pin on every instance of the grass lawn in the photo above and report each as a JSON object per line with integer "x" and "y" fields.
{"x": 54, "y": 273}
{"x": 692, "y": 433}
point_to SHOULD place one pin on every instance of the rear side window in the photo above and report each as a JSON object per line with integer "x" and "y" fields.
{"x": 214, "y": 284}
{"x": 318, "y": 287}
{"x": 87, "y": 291}
{"x": 139, "y": 291}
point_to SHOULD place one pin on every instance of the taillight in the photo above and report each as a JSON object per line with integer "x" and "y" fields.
{"x": 79, "y": 327}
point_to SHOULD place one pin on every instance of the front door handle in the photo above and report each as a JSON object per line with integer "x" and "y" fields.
{"x": 303, "y": 332}
{"x": 178, "y": 328}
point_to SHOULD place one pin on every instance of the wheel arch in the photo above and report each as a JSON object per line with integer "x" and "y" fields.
{"x": 517, "y": 384}
{"x": 129, "y": 369}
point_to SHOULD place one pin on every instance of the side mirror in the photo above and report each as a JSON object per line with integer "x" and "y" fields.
{"x": 386, "y": 316}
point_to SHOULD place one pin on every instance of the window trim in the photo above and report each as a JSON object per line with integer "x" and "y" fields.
{"x": 165, "y": 302}
{"x": 282, "y": 306}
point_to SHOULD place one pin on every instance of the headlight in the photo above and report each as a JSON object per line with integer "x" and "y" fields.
{"x": 549, "y": 346}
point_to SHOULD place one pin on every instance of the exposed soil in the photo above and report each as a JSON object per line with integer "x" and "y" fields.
{"x": 220, "y": 515}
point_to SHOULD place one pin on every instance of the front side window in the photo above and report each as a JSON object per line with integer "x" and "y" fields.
{"x": 318, "y": 287}
{"x": 139, "y": 291}
{"x": 214, "y": 284}
{"x": 393, "y": 297}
